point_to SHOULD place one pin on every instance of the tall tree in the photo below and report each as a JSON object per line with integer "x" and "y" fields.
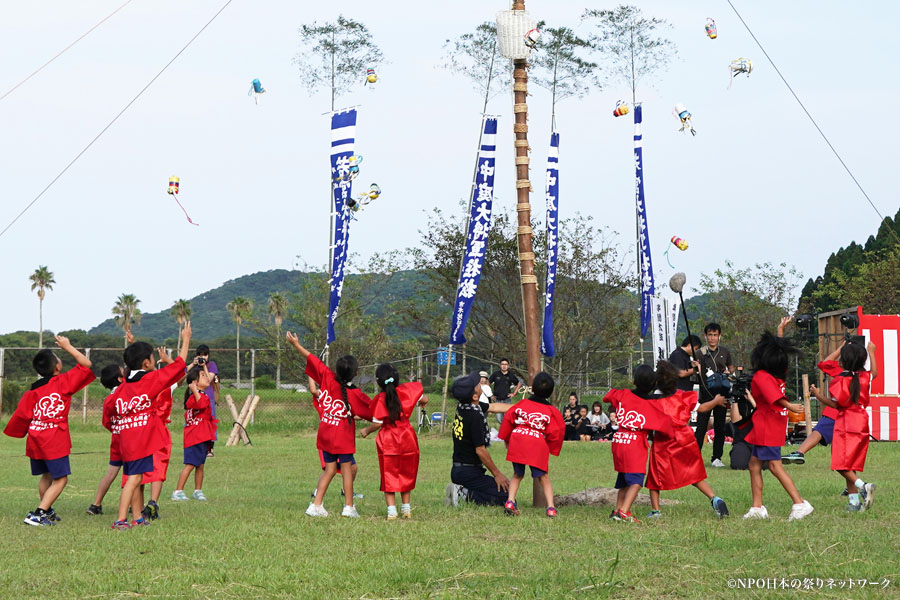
{"x": 181, "y": 311}
{"x": 240, "y": 308}
{"x": 126, "y": 313}
{"x": 475, "y": 56}
{"x": 335, "y": 55}
{"x": 630, "y": 43}
{"x": 42, "y": 281}
{"x": 278, "y": 308}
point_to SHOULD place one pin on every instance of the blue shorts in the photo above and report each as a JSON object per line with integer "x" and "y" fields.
{"x": 196, "y": 455}
{"x": 767, "y": 452}
{"x": 139, "y": 466}
{"x": 58, "y": 467}
{"x": 519, "y": 470}
{"x": 328, "y": 457}
{"x": 623, "y": 480}
{"x": 115, "y": 463}
{"x": 825, "y": 427}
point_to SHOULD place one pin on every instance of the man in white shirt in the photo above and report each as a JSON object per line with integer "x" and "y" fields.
{"x": 486, "y": 393}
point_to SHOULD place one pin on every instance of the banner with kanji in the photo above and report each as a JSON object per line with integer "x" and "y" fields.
{"x": 552, "y": 193}
{"x": 343, "y": 136}
{"x": 647, "y": 288}
{"x": 476, "y": 233}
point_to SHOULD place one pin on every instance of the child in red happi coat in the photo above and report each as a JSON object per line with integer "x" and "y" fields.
{"x": 199, "y": 432}
{"x": 636, "y": 414}
{"x": 397, "y": 444}
{"x": 43, "y": 415}
{"x": 675, "y": 460}
{"x": 338, "y": 403}
{"x": 111, "y": 376}
{"x": 849, "y": 394}
{"x": 533, "y": 429}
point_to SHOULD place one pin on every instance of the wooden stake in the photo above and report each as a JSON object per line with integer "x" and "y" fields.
{"x": 234, "y": 415}
{"x": 806, "y": 403}
{"x": 233, "y": 438}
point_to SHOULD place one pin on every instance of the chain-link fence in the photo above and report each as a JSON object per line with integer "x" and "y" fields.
{"x": 278, "y": 379}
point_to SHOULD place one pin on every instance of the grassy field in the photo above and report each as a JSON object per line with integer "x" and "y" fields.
{"x": 252, "y": 540}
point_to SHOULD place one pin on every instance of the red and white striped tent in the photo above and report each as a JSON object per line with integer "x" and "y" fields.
{"x": 884, "y": 406}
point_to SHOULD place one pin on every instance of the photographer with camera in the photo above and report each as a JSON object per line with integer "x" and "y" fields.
{"x": 715, "y": 366}
{"x": 684, "y": 359}
{"x": 212, "y": 392}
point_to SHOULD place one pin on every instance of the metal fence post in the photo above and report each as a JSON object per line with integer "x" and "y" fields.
{"x": 2, "y": 377}
{"x": 84, "y": 394}
{"x": 252, "y": 381}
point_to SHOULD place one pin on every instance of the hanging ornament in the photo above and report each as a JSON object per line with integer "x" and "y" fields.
{"x": 173, "y": 190}
{"x": 256, "y": 89}
{"x": 621, "y": 109}
{"x": 711, "y": 30}
{"x": 738, "y": 66}
{"x": 685, "y": 117}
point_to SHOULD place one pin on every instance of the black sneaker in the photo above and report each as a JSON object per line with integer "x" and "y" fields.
{"x": 52, "y": 516}
{"x": 95, "y": 509}
{"x": 846, "y": 492}
{"x": 720, "y": 507}
{"x": 38, "y": 520}
{"x": 151, "y": 511}
{"x": 794, "y": 458}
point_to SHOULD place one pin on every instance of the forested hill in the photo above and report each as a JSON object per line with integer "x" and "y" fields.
{"x": 210, "y": 318}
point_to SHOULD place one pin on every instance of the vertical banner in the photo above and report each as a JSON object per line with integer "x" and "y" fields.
{"x": 665, "y": 327}
{"x": 647, "y": 287}
{"x": 673, "y": 309}
{"x": 343, "y": 134}
{"x": 552, "y": 193}
{"x": 477, "y": 232}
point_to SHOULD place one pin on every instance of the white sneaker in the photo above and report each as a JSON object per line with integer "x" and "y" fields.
{"x": 718, "y": 463}
{"x": 179, "y": 496}
{"x": 757, "y": 512}
{"x": 350, "y": 511}
{"x": 798, "y": 511}
{"x": 198, "y": 495}
{"x": 316, "y": 510}
{"x": 867, "y": 494}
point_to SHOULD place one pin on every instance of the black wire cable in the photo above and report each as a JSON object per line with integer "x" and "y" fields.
{"x": 116, "y": 118}
{"x": 816, "y": 125}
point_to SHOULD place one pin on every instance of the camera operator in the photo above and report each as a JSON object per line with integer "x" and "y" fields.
{"x": 683, "y": 359}
{"x": 212, "y": 392}
{"x": 715, "y": 366}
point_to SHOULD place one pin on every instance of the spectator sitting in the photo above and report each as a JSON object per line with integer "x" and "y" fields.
{"x": 583, "y": 425}
{"x": 600, "y": 428}
{"x": 568, "y": 417}
{"x": 573, "y": 403}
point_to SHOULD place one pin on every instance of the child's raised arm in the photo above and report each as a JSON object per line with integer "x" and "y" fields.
{"x": 873, "y": 362}
{"x": 295, "y": 342}
{"x": 64, "y": 343}
{"x": 822, "y": 398}
{"x": 185, "y": 341}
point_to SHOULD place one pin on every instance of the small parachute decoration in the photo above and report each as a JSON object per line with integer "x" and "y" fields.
{"x": 256, "y": 89}
{"x": 621, "y": 109}
{"x": 738, "y": 66}
{"x": 371, "y": 78}
{"x": 685, "y": 117}
{"x": 531, "y": 38}
{"x": 355, "y": 204}
{"x": 352, "y": 169}
{"x": 679, "y": 243}
{"x": 711, "y": 30}
{"x": 173, "y": 190}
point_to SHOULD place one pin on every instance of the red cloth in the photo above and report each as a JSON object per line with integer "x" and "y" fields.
{"x": 770, "y": 419}
{"x": 160, "y": 467}
{"x": 199, "y": 425}
{"x": 851, "y": 425}
{"x": 337, "y": 431}
{"x": 109, "y": 421}
{"x": 675, "y": 460}
{"x": 635, "y": 416}
{"x": 534, "y": 431}
{"x": 135, "y": 410}
{"x": 832, "y": 368}
{"x": 43, "y": 415}
{"x": 397, "y": 444}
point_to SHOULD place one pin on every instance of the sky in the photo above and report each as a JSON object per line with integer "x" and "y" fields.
{"x": 756, "y": 184}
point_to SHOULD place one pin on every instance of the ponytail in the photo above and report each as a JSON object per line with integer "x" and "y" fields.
{"x": 854, "y": 388}
{"x": 853, "y": 358}
{"x": 388, "y": 378}
{"x": 345, "y": 370}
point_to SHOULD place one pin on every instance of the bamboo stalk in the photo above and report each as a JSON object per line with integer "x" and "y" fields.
{"x": 806, "y": 404}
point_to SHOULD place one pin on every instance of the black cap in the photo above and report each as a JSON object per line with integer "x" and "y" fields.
{"x": 463, "y": 387}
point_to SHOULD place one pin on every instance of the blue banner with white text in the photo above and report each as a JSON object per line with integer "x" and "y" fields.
{"x": 547, "y": 348}
{"x": 476, "y": 233}
{"x": 343, "y": 135}
{"x": 647, "y": 287}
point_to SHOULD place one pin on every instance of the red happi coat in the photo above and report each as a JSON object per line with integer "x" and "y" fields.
{"x": 136, "y": 411}
{"x": 635, "y": 416}
{"x": 337, "y": 430}
{"x": 675, "y": 459}
{"x": 199, "y": 425}
{"x": 43, "y": 415}
{"x": 770, "y": 419}
{"x": 534, "y": 431}
{"x": 851, "y": 426}
{"x": 110, "y": 421}
{"x": 397, "y": 444}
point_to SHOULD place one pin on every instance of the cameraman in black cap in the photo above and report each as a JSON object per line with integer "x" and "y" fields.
{"x": 471, "y": 458}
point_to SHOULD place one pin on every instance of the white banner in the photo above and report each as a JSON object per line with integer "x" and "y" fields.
{"x": 665, "y": 327}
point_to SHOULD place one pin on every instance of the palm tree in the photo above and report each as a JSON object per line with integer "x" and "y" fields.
{"x": 126, "y": 313}
{"x": 42, "y": 280}
{"x": 240, "y": 308}
{"x": 181, "y": 312}
{"x": 277, "y": 308}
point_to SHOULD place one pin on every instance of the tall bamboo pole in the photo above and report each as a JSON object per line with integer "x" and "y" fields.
{"x": 523, "y": 208}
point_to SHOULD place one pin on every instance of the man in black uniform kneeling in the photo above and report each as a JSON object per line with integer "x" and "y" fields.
{"x": 471, "y": 458}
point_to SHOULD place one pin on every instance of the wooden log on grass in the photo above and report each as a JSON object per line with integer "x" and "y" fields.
{"x": 235, "y": 432}
{"x": 234, "y": 414}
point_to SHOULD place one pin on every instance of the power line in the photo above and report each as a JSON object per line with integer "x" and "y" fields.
{"x": 116, "y": 118}
{"x": 61, "y": 52}
{"x": 816, "y": 125}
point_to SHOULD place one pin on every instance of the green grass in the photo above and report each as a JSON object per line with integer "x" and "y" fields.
{"x": 251, "y": 539}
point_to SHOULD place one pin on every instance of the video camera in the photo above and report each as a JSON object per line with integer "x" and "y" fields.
{"x": 740, "y": 383}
